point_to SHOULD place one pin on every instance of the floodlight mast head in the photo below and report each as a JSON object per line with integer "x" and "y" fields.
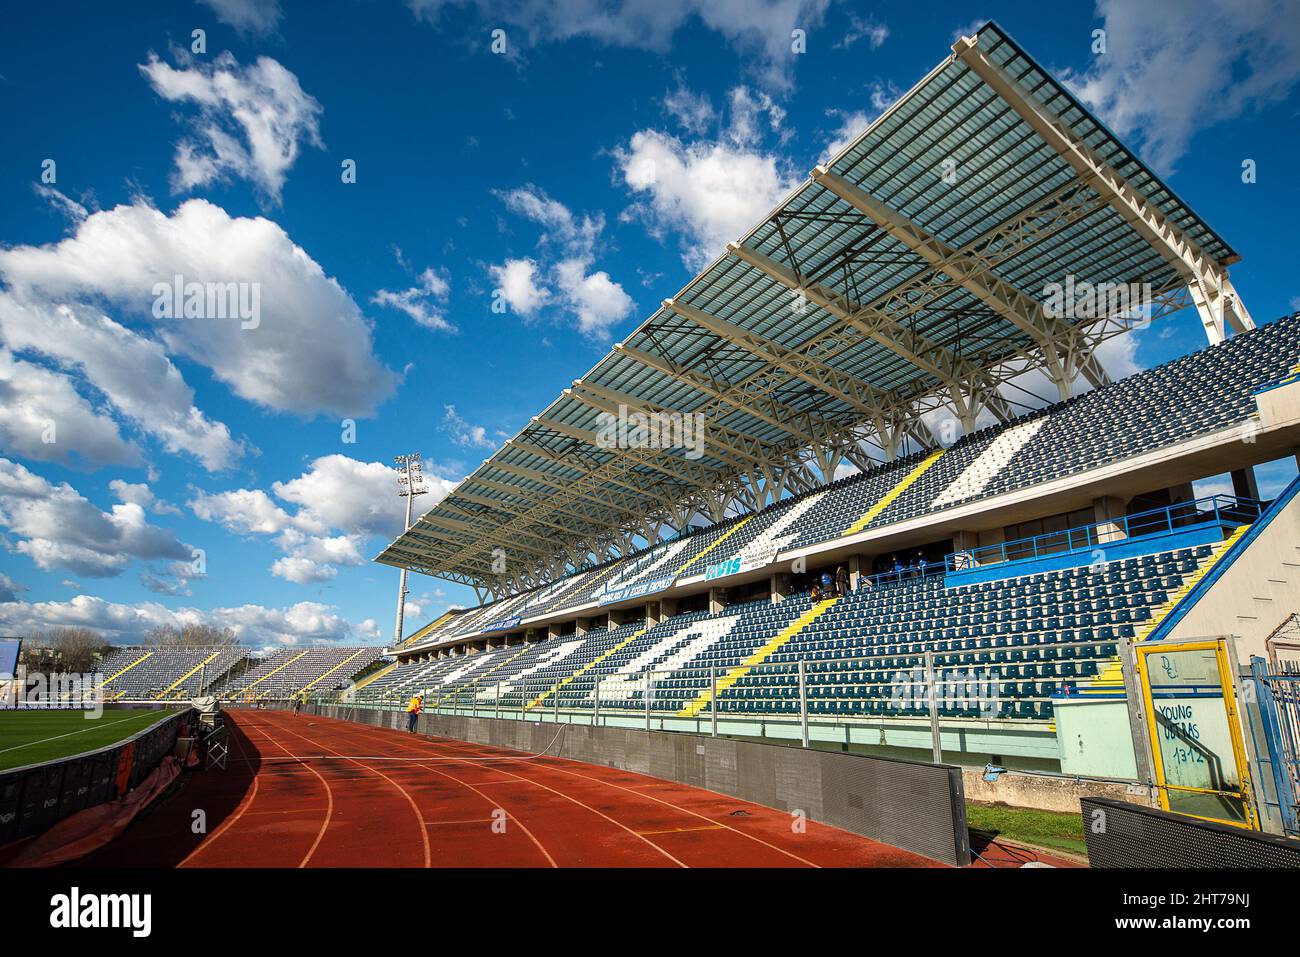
{"x": 410, "y": 480}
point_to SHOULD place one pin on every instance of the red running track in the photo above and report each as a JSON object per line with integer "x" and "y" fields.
{"x": 309, "y": 791}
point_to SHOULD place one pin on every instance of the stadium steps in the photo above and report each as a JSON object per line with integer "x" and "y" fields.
{"x": 583, "y": 583}
{"x": 1110, "y": 678}
{"x": 427, "y": 629}
{"x": 185, "y": 677}
{"x": 1216, "y": 552}
{"x": 726, "y": 535}
{"x": 478, "y": 678}
{"x": 253, "y": 684}
{"x": 376, "y": 675}
{"x": 773, "y": 645}
{"x": 137, "y": 661}
{"x": 320, "y": 678}
{"x": 585, "y": 668}
{"x": 893, "y": 494}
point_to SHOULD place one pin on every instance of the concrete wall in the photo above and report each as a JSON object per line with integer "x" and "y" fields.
{"x": 915, "y": 806}
{"x": 1048, "y": 793}
{"x": 1255, "y": 593}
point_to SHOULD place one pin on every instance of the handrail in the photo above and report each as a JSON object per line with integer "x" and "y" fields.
{"x": 1218, "y": 509}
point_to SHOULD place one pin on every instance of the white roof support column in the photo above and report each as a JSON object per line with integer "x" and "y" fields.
{"x": 1212, "y": 291}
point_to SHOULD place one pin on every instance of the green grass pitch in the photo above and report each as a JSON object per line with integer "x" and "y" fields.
{"x": 30, "y": 737}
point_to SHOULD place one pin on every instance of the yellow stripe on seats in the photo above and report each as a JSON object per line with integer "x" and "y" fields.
{"x": 478, "y": 678}
{"x": 374, "y": 676}
{"x": 892, "y": 495}
{"x": 426, "y": 629}
{"x": 759, "y": 656}
{"x": 249, "y": 687}
{"x": 127, "y": 668}
{"x": 731, "y": 531}
{"x": 584, "y": 582}
{"x": 331, "y": 671}
{"x": 585, "y": 668}
{"x": 181, "y": 680}
{"x": 1111, "y": 677}
{"x": 1216, "y": 552}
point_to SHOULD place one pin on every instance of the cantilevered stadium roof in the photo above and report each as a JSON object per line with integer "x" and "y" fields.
{"x": 910, "y": 272}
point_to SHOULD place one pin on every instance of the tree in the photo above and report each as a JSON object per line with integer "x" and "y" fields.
{"x": 189, "y": 636}
{"x": 72, "y": 650}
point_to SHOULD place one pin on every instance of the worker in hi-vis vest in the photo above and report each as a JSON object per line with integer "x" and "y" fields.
{"x": 413, "y": 711}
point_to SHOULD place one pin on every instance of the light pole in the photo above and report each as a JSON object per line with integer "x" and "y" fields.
{"x": 410, "y": 483}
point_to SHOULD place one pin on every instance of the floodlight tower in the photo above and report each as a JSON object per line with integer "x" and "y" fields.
{"x": 410, "y": 483}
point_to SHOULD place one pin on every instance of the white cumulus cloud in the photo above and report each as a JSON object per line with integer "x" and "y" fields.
{"x": 424, "y": 302}
{"x": 43, "y": 417}
{"x": 250, "y": 121}
{"x": 57, "y": 528}
{"x": 708, "y": 192}
{"x": 760, "y": 31}
{"x": 324, "y": 518}
{"x": 303, "y": 623}
{"x": 564, "y": 276}
{"x": 309, "y": 352}
{"x": 1175, "y": 67}
{"x": 257, "y": 18}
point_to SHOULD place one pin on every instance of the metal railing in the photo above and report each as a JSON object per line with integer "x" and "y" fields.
{"x": 1225, "y": 510}
{"x": 36, "y": 797}
{"x": 788, "y": 698}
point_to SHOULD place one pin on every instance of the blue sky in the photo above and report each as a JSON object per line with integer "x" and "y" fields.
{"x": 519, "y": 174}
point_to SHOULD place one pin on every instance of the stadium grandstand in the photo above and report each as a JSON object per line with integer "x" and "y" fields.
{"x": 166, "y": 674}
{"x": 853, "y": 538}
{"x": 147, "y": 674}
{"x": 818, "y": 478}
{"x": 292, "y": 671}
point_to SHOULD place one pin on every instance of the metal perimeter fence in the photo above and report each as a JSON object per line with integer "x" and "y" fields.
{"x": 816, "y": 695}
{"x": 36, "y": 797}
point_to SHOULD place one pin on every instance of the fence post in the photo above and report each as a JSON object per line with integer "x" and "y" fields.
{"x": 595, "y": 712}
{"x": 713, "y": 699}
{"x": 932, "y": 692}
{"x": 557, "y": 705}
{"x": 498, "y": 707}
{"x": 649, "y": 677}
{"x": 803, "y": 704}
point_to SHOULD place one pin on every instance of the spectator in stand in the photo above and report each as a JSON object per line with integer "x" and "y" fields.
{"x": 816, "y": 591}
{"x": 897, "y": 567}
{"x": 920, "y": 564}
{"x": 842, "y": 581}
{"x": 828, "y": 585}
